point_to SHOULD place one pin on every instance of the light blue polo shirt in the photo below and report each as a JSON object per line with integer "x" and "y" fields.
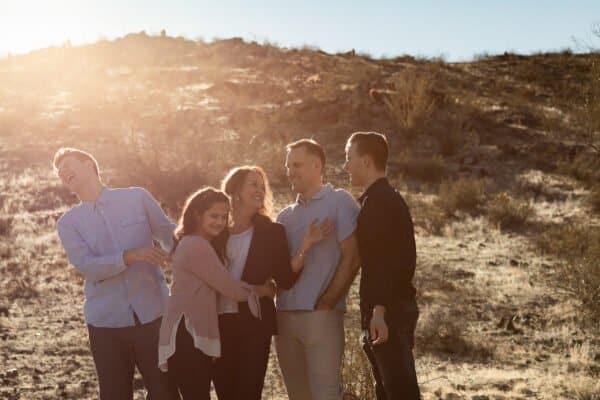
{"x": 322, "y": 259}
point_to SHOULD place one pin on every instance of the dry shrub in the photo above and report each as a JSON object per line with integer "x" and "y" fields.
{"x": 584, "y": 167}
{"x": 428, "y": 216}
{"x": 411, "y": 100}
{"x": 173, "y": 158}
{"x": 463, "y": 194}
{"x": 453, "y": 131}
{"x": 357, "y": 378}
{"x": 594, "y": 199}
{"x": 585, "y": 388}
{"x": 19, "y": 288}
{"x": 579, "y": 273}
{"x": 537, "y": 186}
{"x": 430, "y": 169}
{"x": 587, "y": 109}
{"x": 443, "y": 331}
{"x": 5, "y": 225}
{"x": 508, "y": 213}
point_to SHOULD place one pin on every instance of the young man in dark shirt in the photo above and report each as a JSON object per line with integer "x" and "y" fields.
{"x": 386, "y": 245}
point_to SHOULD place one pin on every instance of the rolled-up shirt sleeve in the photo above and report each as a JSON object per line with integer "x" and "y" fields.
{"x": 93, "y": 268}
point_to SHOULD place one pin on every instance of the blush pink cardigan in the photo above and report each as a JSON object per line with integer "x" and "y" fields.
{"x": 198, "y": 275}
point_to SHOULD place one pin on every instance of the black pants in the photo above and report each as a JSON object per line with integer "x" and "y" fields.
{"x": 393, "y": 363}
{"x": 189, "y": 368}
{"x": 245, "y": 343}
{"x": 117, "y": 351}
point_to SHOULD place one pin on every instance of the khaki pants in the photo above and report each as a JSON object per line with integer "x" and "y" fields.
{"x": 310, "y": 346}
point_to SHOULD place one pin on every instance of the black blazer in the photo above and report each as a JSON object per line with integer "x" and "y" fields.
{"x": 268, "y": 257}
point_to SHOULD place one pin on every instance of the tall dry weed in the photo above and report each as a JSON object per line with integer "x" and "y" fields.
{"x": 411, "y": 99}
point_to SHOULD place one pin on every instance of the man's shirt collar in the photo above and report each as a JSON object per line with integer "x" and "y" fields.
{"x": 326, "y": 189}
{"x": 102, "y": 200}
{"x": 375, "y": 187}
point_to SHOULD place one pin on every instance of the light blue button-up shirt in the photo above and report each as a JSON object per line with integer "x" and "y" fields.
{"x": 96, "y": 233}
{"x": 322, "y": 260}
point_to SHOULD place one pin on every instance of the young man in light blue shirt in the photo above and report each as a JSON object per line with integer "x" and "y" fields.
{"x": 310, "y": 316}
{"x": 108, "y": 237}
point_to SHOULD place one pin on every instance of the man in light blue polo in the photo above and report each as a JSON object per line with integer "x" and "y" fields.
{"x": 109, "y": 237}
{"x": 310, "y": 316}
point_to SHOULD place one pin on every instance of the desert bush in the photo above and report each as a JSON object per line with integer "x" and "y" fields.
{"x": 463, "y": 194}
{"x": 20, "y": 288}
{"x": 431, "y": 169}
{"x": 594, "y": 198}
{"x": 5, "y": 225}
{"x": 585, "y": 167}
{"x": 442, "y": 331}
{"x": 585, "y": 388}
{"x": 508, "y": 213}
{"x": 579, "y": 272}
{"x": 587, "y": 110}
{"x": 357, "y": 378}
{"x": 428, "y": 216}
{"x": 453, "y": 131}
{"x": 537, "y": 185}
{"x": 411, "y": 99}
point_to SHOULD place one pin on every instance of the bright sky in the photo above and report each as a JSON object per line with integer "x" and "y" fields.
{"x": 457, "y": 29}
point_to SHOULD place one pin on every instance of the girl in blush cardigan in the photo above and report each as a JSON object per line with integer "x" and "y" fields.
{"x": 189, "y": 334}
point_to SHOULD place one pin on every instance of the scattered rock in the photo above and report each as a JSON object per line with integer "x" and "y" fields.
{"x": 505, "y": 387}
{"x": 11, "y": 373}
{"x": 514, "y": 263}
{"x": 509, "y": 324}
{"x": 528, "y": 392}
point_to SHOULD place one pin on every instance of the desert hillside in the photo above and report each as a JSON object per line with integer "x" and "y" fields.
{"x": 499, "y": 160}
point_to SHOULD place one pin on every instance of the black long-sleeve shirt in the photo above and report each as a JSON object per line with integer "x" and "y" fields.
{"x": 386, "y": 244}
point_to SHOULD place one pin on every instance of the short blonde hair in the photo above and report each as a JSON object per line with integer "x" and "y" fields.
{"x": 70, "y": 151}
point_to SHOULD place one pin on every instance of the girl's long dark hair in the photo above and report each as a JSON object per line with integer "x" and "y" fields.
{"x": 197, "y": 204}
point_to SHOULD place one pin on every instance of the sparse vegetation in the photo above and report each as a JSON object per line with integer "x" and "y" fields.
{"x": 463, "y": 194}
{"x": 594, "y": 199}
{"x": 585, "y": 167}
{"x": 445, "y": 331}
{"x": 172, "y": 114}
{"x": 508, "y": 213}
{"x": 579, "y": 248}
{"x": 426, "y": 169}
{"x": 5, "y": 225}
{"x": 411, "y": 100}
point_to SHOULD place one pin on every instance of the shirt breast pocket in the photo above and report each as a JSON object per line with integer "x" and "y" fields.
{"x": 135, "y": 229}
{"x": 133, "y": 221}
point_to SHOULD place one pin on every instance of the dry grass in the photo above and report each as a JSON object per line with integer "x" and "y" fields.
{"x": 579, "y": 248}
{"x": 443, "y": 331}
{"x": 464, "y": 194}
{"x": 141, "y": 106}
{"x": 508, "y": 213}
